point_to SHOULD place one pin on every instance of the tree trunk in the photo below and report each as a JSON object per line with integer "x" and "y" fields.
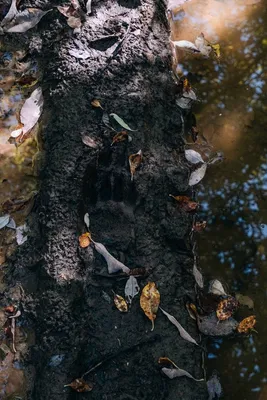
{"x": 129, "y": 71}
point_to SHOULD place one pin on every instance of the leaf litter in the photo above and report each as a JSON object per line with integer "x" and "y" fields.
{"x": 131, "y": 289}
{"x": 80, "y": 385}
{"x": 185, "y": 203}
{"x": 193, "y": 156}
{"x": 177, "y": 372}
{"x": 120, "y": 303}
{"x": 121, "y": 122}
{"x": 20, "y": 22}
{"x": 149, "y": 301}
{"x": 113, "y": 264}
{"x": 197, "y": 175}
{"x": 134, "y": 162}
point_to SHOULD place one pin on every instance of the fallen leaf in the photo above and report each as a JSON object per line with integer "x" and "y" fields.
{"x": 119, "y": 137}
{"x": 85, "y": 240}
{"x": 186, "y": 203}
{"x": 178, "y": 373}
{"x": 4, "y": 220}
{"x": 186, "y": 45}
{"x": 92, "y": 142}
{"x": 198, "y": 276}
{"x": 197, "y": 175}
{"x": 121, "y": 122}
{"x": 216, "y": 49}
{"x": 89, "y": 6}
{"x": 185, "y": 335}
{"x": 247, "y": 324}
{"x": 10, "y": 15}
{"x": 244, "y": 300}
{"x": 208, "y": 325}
{"x": 86, "y": 220}
{"x": 199, "y": 226}
{"x": 74, "y": 14}
{"x": 9, "y": 309}
{"x": 226, "y": 308}
{"x": 131, "y": 289}
{"x": 21, "y": 234}
{"x": 166, "y": 360}
{"x": 186, "y": 100}
{"x": 120, "y": 303}
{"x": 214, "y": 387}
{"x": 113, "y": 264}
{"x": 80, "y": 54}
{"x": 193, "y": 156}
{"x": 216, "y": 287}
{"x": 135, "y": 161}
{"x": 80, "y": 386}
{"x": 96, "y": 103}
{"x": 11, "y": 224}
{"x": 13, "y": 328}
{"x": 203, "y": 45}
{"x": 191, "y": 309}
{"x": 25, "y": 20}
{"x": 149, "y": 301}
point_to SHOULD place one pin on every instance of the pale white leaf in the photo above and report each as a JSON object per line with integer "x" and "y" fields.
{"x": 4, "y": 220}
{"x": 184, "y": 103}
{"x": 198, "y": 276}
{"x": 190, "y": 95}
{"x": 21, "y": 234}
{"x": 11, "y": 224}
{"x": 193, "y": 156}
{"x": 113, "y": 264}
{"x": 131, "y": 289}
{"x": 177, "y": 373}
{"x": 16, "y": 133}
{"x": 86, "y": 220}
{"x": 216, "y": 287}
{"x": 11, "y": 13}
{"x": 197, "y": 175}
{"x": 185, "y": 335}
{"x": 121, "y": 122}
{"x": 203, "y": 46}
{"x": 186, "y": 45}
{"x": 81, "y": 54}
{"x": 25, "y": 20}
{"x": 89, "y": 6}
{"x": 31, "y": 110}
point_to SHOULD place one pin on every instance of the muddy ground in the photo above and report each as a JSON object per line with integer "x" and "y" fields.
{"x": 62, "y": 285}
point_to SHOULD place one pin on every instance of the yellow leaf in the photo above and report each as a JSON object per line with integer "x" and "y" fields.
{"x": 96, "y": 103}
{"x": 85, "y": 239}
{"x": 149, "y": 301}
{"x": 216, "y": 49}
{"x": 226, "y": 308}
{"x": 120, "y": 303}
{"x": 134, "y": 161}
{"x": 247, "y": 324}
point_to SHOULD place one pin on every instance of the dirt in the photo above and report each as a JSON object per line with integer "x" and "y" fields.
{"x": 61, "y": 294}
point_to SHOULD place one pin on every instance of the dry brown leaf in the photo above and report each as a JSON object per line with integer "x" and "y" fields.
{"x": 166, "y": 360}
{"x": 120, "y": 303}
{"x": 247, "y": 324}
{"x": 134, "y": 161}
{"x": 96, "y": 103}
{"x": 80, "y": 386}
{"x": 226, "y": 308}
{"x": 85, "y": 240}
{"x": 149, "y": 301}
{"x": 119, "y": 137}
{"x": 199, "y": 226}
{"x": 185, "y": 203}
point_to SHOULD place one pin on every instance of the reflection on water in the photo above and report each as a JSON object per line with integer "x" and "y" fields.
{"x": 232, "y": 117}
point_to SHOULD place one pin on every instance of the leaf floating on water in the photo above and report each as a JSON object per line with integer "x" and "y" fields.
{"x": 197, "y": 175}
{"x": 216, "y": 287}
{"x": 244, "y": 300}
{"x": 186, "y": 45}
{"x": 203, "y": 45}
{"x": 199, "y": 226}
{"x": 113, "y": 264}
{"x": 119, "y": 137}
{"x": 4, "y": 220}
{"x": 25, "y": 20}
{"x": 131, "y": 289}
{"x": 85, "y": 240}
{"x": 10, "y": 15}
{"x": 149, "y": 301}
{"x": 193, "y": 156}
{"x": 214, "y": 387}
{"x": 80, "y": 386}
{"x": 186, "y": 203}
{"x": 247, "y": 324}
{"x": 120, "y": 303}
{"x": 185, "y": 335}
{"x": 226, "y": 308}
{"x": 198, "y": 276}
{"x": 216, "y": 49}
{"x": 178, "y": 373}
{"x": 96, "y": 103}
{"x": 135, "y": 161}
{"x": 210, "y": 326}
{"x": 121, "y": 122}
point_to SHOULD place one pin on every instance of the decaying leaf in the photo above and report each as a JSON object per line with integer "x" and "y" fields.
{"x": 247, "y": 324}
{"x": 186, "y": 46}
{"x": 197, "y": 175}
{"x": 86, "y": 220}
{"x": 216, "y": 287}
{"x": 119, "y": 137}
{"x": 113, "y": 264}
{"x": 21, "y": 234}
{"x": 185, "y": 335}
{"x": 80, "y": 385}
{"x": 226, "y": 308}
{"x": 131, "y": 289}
{"x": 120, "y": 303}
{"x": 193, "y": 156}
{"x": 186, "y": 203}
{"x": 149, "y": 301}
{"x": 96, "y": 103}
{"x": 178, "y": 373}
{"x": 135, "y": 161}
{"x": 25, "y": 20}
{"x": 199, "y": 226}
{"x": 198, "y": 276}
{"x": 191, "y": 309}
{"x": 244, "y": 300}
{"x": 120, "y": 121}
{"x": 214, "y": 387}
{"x": 85, "y": 240}
{"x": 73, "y": 12}
{"x": 4, "y": 220}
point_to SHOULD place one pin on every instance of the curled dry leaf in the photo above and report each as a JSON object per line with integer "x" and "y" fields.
{"x": 226, "y": 308}
{"x": 96, "y": 103}
{"x": 186, "y": 46}
{"x": 185, "y": 335}
{"x": 247, "y": 324}
{"x": 186, "y": 203}
{"x": 80, "y": 385}
{"x": 199, "y": 226}
{"x": 120, "y": 303}
{"x": 216, "y": 287}
{"x": 197, "y": 175}
{"x": 135, "y": 161}
{"x": 131, "y": 289}
{"x": 198, "y": 276}
{"x": 25, "y": 20}
{"x": 85, "y": 240}
{"x": 178, "y": 373}
{"x": 113, "y": 264}
{"x": 120, "y": 121}
{"x": 149, "y": 301}
{"x": 193, "y": 156}
{"x": 89, "y": 6}
{"x": 119, "y": 137}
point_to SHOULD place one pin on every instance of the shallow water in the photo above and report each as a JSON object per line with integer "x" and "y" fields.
{"x": 232, "y": 117}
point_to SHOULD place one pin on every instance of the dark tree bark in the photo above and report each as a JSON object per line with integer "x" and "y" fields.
{"x": 137, "y": 221}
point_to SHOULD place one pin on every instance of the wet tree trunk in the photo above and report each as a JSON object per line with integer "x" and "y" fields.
{"x": 129, "y": 71}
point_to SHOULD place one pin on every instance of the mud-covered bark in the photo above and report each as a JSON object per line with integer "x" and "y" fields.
{"x": 137, "y": 221}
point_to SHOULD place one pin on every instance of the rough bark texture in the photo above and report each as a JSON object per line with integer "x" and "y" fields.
{"x": 136, "y": 221}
